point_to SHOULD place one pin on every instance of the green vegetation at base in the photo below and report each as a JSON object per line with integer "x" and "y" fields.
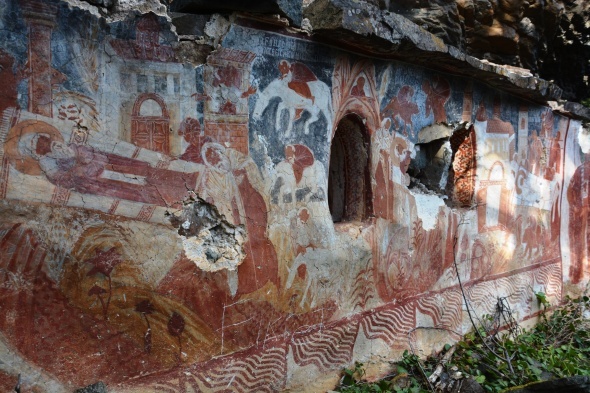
{"x": 498, "y": 355}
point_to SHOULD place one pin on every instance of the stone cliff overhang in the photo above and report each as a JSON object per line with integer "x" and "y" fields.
{"x": 292, "y": 10}
{"x": 362, "y": 27}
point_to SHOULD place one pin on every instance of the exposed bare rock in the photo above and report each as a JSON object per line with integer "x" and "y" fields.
{"x": 290, "y": 9}
{"x": 208, "y": 239}
{"x": 368, "y": 29}
{"x": 142, "y": 6}
{"x": 439, "y": 17}
{"x": 568, "y": 52}
{"x": 191, "y": 50}
{"x": 550, "y": 38}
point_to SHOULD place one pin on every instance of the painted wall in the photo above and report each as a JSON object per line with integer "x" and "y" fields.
{"x": 166, "y": 227}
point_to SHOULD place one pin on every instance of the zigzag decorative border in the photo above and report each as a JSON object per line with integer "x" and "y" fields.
{"x": 329, "y": 346}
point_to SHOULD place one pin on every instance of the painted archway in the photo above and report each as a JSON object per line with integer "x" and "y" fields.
{"x": 150, "y": 123}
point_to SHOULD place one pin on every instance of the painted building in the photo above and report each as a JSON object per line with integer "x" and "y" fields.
{"x": 258, "y": 221}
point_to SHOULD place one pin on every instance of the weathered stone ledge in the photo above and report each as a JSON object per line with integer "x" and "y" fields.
{"x": 363, "y": 27}
{"x": 573, "y": 110}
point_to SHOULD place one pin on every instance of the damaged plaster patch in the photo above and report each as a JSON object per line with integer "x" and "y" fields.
{"x": 432, "y": 158}
{"x": 208, "y": 239}
{"x": 428, "y": 206}
{"x": 435, "y": 131}
{"x": 431, "y": 164}
{"x": 85, "y": 5}
{"x": 584, "y": 139}
{"x": 143, "y": 6}
{"x": 216, "y": 28}
{"x": 430, "y": 167}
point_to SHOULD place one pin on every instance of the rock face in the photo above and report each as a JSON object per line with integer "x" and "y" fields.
{"x": 362, "y": 26}
{"x": 438, "y": 17}
{"x": 227, "y": 202}
{"x": 550, "y": 38}
{"x": 568, "y": 53}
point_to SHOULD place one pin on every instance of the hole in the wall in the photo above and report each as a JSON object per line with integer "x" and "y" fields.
{"x": 430, "y": 165}
{"x": 444, "y": 163}
{"x": 208, "y": 239}
{"x": 349, "y": 191}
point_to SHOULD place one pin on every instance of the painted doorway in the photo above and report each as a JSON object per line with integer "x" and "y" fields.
{"x": 150, "y": 123}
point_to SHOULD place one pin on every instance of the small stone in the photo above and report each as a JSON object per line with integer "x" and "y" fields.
{"x": 212, "y": 255}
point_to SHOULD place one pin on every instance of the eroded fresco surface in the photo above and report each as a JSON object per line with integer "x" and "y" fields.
{"x": 166, "y": 227}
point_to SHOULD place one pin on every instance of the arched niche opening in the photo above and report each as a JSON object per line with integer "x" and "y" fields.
{"x": 349, "y": 178}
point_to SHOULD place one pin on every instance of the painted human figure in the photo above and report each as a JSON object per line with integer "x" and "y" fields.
{"x": 402, "y": 156}
{"x": 401, "y": 108}
{"x": 190, "y": 130}
{"x": 291, "y": 187}
{"x": 552, "y": 146}
{"x": 358, "y": 90}
{"x": 230, "y": 182}
{"x": 552, "y": 171}
{"x": 392, "y": 157}
{"x": 89, "y": 171}
{"x": 298, "y": 185}
{"x": 531, "y": 237}
{"x": 554, "y": 164}
{"x": 301, "y": 224}
{"x": 578, "y": 196}
{"x": 383, "y": 192}
{"x": 216, "y": 183}
{"x": 438, "y": 91}
{"x": 228, "y": 80}
{"x": 535, "y": 154}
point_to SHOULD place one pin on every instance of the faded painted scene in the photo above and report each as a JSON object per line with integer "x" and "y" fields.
{"x": 261, "y": 220}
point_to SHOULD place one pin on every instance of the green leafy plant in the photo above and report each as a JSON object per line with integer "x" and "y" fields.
{"x": 558, "y": 346}
{"x": 542, "y": 299}
{"x": 352, "y": 382}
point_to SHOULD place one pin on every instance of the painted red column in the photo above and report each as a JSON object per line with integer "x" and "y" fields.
{"x": 40, "y": 18}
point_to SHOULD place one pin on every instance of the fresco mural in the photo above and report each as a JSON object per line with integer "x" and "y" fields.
{"x": 577, "y": 198}
{"x": 172, "y": 227}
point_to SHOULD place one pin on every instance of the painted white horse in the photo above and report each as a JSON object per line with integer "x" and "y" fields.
{"x": 296, "y": 103}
